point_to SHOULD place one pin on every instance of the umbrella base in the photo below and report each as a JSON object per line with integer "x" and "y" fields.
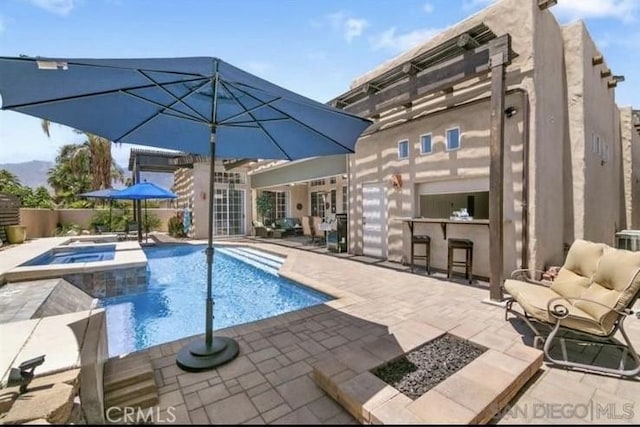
{"x": 196, "y": 356}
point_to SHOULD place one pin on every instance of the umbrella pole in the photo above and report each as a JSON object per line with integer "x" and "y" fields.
{"x": 202, "y": 355}
{"x": 110, "y": 208}
{"x": 146, "y": 223}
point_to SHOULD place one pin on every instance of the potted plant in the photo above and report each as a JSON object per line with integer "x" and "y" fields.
{"x": 16, "y": 233}
{"x": 264, "y": 205}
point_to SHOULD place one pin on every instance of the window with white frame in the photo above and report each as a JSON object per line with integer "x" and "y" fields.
{"x": 332, "y": 180}
{"x": 403, "y": 149}
{"x": 453, "y": 138}
{"x": 595, "y": 144}
{"x": 317, "y": 182}
{"x": 317, "y": 203}
{"x": 345, "y": 199}
{"x": 425, "y": 144}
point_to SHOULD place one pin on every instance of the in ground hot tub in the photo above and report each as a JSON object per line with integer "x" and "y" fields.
{"x": 73, "y": 255}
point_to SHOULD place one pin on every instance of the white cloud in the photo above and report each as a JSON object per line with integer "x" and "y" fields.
{"x": 389, "y": 40}
{"x": 341, "y": 21}
{"x": 427, "y": 8}
{"x": 623, "y": 10}
{"x": 354, "y": 28}
{"x": 59, "y": 7}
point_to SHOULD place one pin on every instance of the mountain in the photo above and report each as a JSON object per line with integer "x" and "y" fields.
{"x": 31, "y": 174}
{"x": 34, "y": 173}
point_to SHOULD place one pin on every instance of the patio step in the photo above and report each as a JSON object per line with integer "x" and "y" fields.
{"x": 129, "y": 382}
{"x": 265, "y": 262}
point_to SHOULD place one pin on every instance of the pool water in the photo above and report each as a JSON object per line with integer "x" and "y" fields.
{"x": 174, "y": 305}
{"x": 74, "y": 255}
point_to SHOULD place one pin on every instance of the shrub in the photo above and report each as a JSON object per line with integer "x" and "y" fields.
{"x": 175, "y": 227}
{"x": 64, "y": 229}
{"x": 151, "y": 221}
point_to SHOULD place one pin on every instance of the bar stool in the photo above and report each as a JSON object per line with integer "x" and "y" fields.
{"x": 421, "y": 240}
{"x": 467, "y": 246}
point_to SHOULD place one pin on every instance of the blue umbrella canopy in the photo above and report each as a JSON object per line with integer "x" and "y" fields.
{"x": 100, "y": 194}
{"x": 173, "y": 103}
{"x": 199, "y": 105}
{"x": 143, "y": 191}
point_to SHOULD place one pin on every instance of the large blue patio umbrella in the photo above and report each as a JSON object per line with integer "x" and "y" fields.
{"x": 102, "y": 194}
{"x": 198, "y": 105}
{"x": 143, "y": 191}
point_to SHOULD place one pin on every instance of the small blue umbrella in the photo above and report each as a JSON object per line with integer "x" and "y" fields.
{"x": 143, "y": 191}
{"x": 102, "y": 194}
{"x": 199, "y": 105}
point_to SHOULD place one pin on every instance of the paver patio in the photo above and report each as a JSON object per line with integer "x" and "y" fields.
{"x": 377, "y": 311}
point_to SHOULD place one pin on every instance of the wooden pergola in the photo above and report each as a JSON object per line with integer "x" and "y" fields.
{"x": 474, "y": 53}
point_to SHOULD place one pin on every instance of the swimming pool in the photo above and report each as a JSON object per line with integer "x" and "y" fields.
{"x": 174, "y": 305}
{"x": 74, "y": 255}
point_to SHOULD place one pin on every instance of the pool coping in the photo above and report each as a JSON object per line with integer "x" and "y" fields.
{"x": 128, "y": 254}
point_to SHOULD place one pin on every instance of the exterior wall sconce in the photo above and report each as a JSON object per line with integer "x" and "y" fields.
{"x": 510, "y": 112}
{"x": 396, "y": 181}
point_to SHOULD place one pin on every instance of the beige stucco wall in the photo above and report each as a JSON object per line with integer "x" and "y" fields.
{"x": 376, "y": 160}
{"x": 592, "y": 111}
{"x": 376, "y": 155}
{"x": 39, "y": 222}
{"x": 547, "y": 139}
{"x": 43, "y": 222}
{"x": 630, "y": 146}
{"x": 200, "y": 191}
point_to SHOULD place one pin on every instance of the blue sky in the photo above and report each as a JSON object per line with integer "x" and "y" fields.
{"x": 314, "y": 47}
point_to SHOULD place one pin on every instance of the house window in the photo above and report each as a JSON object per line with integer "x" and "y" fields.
{"x": 345, "y": 200}
{"x": 334, "y": 200}
{"x": 453, "y": 139}
{"x": 425, "y": 143}
{"x": 229, "y": 177}
{"x": 332, "y": 180}
{"x": 280, "y": 203}
{"x": 595, "y": 144}
{"x": 317, "y": 203}
{"x": 403, "y": 149}
{"x": 605, "y": 153}
{"x": 317, "y": 182}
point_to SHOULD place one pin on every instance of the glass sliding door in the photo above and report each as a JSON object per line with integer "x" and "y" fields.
{"x": 229, "y": 212}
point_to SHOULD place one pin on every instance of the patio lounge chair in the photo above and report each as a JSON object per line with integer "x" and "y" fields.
{"x": 306, "y": 228}
{"x": 259, "y": 230}
{"x": 591, "y": 297}
{"x": 317, "y": 230}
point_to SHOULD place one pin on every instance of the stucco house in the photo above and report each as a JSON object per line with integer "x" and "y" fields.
{"x": 570, "y": 154}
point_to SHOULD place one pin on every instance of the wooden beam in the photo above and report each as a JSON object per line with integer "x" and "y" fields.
{"x": 498, "y": 62}
{"x": 605, "y": 73}
{"x": 612, "y": 83}
{"x": 433, "y": 79}
{"x": 546, "y": 4}
{"x": 597, "y": 60}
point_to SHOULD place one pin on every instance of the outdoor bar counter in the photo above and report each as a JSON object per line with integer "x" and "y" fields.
{"x": 441, "y": 229}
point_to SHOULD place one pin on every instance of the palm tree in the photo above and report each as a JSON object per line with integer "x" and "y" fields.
{"x": 8, "y": 179}
{"x": 102, "y": 168}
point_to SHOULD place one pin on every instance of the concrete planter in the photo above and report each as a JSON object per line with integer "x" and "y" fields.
{"x": 16, "y": 233}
